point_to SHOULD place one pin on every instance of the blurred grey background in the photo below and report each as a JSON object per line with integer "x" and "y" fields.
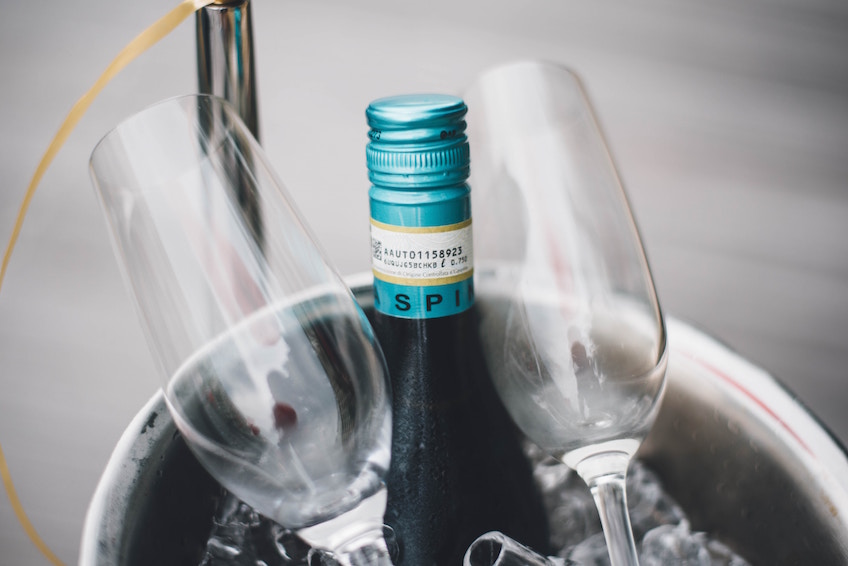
{"x": 728, "y": 120}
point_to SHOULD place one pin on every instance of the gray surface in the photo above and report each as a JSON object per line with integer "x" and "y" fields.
{"x": 728, "y": 119}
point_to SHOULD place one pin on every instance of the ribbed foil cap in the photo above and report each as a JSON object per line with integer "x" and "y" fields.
{"x": 417, "y": 140}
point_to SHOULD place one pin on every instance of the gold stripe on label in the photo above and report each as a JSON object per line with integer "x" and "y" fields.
{"x": 421, "y": 229}
{"x": 428, "y": 282}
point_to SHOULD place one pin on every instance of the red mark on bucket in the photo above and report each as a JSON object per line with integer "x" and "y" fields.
{"x": 748, "y": 393}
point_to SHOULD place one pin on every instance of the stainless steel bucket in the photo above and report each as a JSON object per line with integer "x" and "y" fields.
{"x": 745, "y": 460}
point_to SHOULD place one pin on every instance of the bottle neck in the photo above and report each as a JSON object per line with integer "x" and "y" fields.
{"x": 422, "y": 251}
{"x": 416, "y": 206}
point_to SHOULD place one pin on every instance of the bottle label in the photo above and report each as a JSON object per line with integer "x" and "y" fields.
{"x": 422, "y": 271}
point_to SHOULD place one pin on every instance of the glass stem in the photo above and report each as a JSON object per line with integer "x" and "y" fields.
{"x": 371, "y": 552}
{"x": 355, "y": 537}
{"x": 611, "y": 499}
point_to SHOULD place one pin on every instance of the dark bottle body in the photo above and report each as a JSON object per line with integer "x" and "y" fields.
{"x": 457, "y": 468}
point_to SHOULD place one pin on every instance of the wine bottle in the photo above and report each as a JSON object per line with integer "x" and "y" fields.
{"x": 457, "y": 468}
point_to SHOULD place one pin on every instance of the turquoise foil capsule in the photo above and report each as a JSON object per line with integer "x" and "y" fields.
{"x": 421, "y": 239}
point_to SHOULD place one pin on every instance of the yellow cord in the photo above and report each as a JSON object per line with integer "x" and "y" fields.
{"x": 136, "y": 47}
{"x": 21, "y": 514}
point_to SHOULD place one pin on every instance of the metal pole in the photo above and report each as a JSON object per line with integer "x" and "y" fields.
{"x": 225, "y": 57}
{"x": 225, "y": 68}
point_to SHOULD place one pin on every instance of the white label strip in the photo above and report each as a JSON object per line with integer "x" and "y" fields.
{"x": 423, "y": 256}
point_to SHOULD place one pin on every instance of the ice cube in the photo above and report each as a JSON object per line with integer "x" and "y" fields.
{"x": 590, "y": 552}
{"x": 649, "y": 505}
{"x": 674, "y": 544}
{"x": 721, "y": 555}
{"x": 242, "y": 537}
{"x": 574, "y": 519}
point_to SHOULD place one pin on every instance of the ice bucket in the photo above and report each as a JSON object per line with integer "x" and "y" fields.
{"x": 746, "y": 461}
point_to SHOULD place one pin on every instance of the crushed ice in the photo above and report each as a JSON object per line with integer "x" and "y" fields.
{"x": 241, "y": 537}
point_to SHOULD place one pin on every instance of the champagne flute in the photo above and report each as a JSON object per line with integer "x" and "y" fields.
{"x": 271, "y": 370}
{"x": 574, "y": 333}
